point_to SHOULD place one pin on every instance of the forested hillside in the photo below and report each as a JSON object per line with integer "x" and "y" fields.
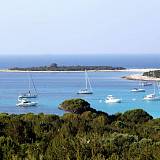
{"x": 84, "y": 135}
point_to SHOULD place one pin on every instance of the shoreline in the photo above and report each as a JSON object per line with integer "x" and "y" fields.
{"x": 140, "y": 77}
{"x": 124, "y": 70}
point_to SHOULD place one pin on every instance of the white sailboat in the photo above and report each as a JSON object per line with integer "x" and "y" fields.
{"x": 153, "y": 96}
{"x": 138, "y": 89}
{"x": 111, "y": 99}
{"x": 88, "y": 88}
{"x": 29, "y": 94}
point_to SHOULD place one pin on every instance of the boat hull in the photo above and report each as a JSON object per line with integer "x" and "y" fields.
{"x": 152, "y": 99}
{"x": 138, "y": 90}
{"x": 113, "y": 101}
{"x": 85, "y": 93}
{"x": 33, "y": 96}
{"x": 27, "y": 96}
{"x": 33, "y": 104}
{"x": 147, "y": 84}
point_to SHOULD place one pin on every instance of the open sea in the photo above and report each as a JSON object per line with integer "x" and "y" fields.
{"x": 54, "y": 88}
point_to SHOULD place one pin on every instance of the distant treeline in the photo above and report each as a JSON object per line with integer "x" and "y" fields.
{"x": 55, "y": 67}
{"x": 155, "y": 74}
{"x": 89, "y": 135}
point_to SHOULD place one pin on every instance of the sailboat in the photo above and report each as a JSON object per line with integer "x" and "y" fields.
{"x": 29, "y": 94}
{"x": 88, "y": 88}
{"x": 139, "y": 89}
{"x": 153, "y": 96}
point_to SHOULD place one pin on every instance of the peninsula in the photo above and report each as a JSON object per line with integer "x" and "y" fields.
{"x": 148, "y": 75}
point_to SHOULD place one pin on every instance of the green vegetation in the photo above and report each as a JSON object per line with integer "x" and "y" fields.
{"x": 75, "y": 105}
{"x": 88, "y": 135}
{"x": 55, "y": 67}
{"x": 155, "y": 74}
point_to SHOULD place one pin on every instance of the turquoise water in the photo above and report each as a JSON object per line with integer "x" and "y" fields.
{"x": 53, "y": 88}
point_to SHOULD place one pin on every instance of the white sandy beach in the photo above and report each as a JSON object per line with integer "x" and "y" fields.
{"x": 137, "y": 76}
{"x": 141, "y": 77}
{"x": 125, "y": 70}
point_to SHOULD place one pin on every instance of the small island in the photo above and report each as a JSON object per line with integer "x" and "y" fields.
{"x": 55, "y": 67}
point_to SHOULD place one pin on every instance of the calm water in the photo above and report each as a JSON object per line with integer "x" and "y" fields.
{"x": 53, "y": 88}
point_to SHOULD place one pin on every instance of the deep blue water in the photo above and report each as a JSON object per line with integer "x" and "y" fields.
{"x": 53, "y": 88}
{"x": 123, "y": 60}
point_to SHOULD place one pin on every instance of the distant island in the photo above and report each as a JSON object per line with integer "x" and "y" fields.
{"x": 55, "y": 67}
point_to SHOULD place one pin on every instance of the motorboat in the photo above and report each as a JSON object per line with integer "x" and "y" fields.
{"x": 111, "y": 99}
{"x": 26, "y": 103}
{"x": 138, "y": 90}
{"x": 88, "y": 88}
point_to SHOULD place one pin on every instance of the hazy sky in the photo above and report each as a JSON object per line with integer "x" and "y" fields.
{"x": 79, "y": 26}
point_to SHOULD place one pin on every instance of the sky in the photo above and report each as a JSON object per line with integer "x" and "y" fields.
{"x": 79, "y": 27}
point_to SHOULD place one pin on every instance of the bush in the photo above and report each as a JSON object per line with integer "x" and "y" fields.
{"x": 75, "y": 106}
{"x": 136, "y": 116}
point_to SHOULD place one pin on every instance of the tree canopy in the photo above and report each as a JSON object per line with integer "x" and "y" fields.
{"x": 89, "y": 135}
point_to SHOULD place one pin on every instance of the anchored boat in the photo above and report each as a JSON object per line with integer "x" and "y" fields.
{"x": 138, "y": 89}
{"x": 153, "y": 96}
{"x": 88, "y": 88}
{"x": 29, "y": 94}
{"x": 111, "y": 99}
{"x": 24, "y": 102}
{"x": 146, "y": 83}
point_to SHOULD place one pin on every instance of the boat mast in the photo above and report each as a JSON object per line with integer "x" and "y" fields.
{"x": 154, "y": 83}
{"x": 88, "y": 82}
{"x": 34, "y": 85}
{"x": 86, "y": 79}
{"x": 29, "y": 85}
{"x": 90, "y": 85}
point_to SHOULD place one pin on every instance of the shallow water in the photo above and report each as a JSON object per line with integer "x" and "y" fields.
{"x": 54, "y": 88}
